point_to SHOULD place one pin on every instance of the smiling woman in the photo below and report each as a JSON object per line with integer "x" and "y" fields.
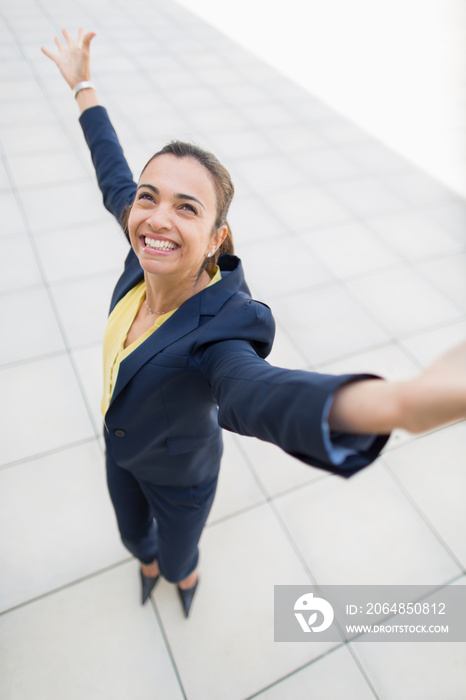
{"x": 184, "y": 355}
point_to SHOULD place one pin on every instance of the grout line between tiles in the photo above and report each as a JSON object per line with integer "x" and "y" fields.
{"x": 415, "y": 505}
{"x": 53, "y": 451}
{"x": 66, "y": 586}
{"x": 168, "y": 647}
{"x": 304, "y": 666}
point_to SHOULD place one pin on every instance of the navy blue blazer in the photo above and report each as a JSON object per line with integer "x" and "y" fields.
{"x": 204, "y": 368}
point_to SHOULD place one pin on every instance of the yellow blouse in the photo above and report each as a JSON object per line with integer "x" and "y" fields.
{"x": 118, "y": 326}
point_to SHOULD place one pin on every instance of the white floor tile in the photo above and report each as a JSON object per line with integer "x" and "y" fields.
{"x": 242, "y": 93}
{"x": 219, "y": 76}
{"x": 276, "y": 470}
{"x": 237, "y": 488}
{"x": 5, "y": 182}
{"x": 327, "y": 324}
{"x": 92, "y": 640}
{"x": 169, "y": 71}
{"x": 12, "y": 219}
{"x": 335, "y": 676}
{"x": 18, "y": 265}
{"x": 432, "y": 471}
{"x": 419, "y": 188}
{"x": 29, "y": 323}
{"x": 269, "y": 174}
{"x": 452, "y": 217}
{"x": 54, "y": 168}
{"x": 363, "y": 531}
{"x": 250, "y": 219}
{"x": 373, "y": 157}
{"x": 414, "y": 235}
{"x": 289, "y": 139}
{"x": 157, "y": 131}
{"x": 308, "y": 108}
{"x": 285, "y": 353}
{"x": 129, "y": 82}
{"x": 341, "y": 131}
{"x": 89, "y": 365}
{"x": 325, "y": 164}
{"x": 389, "y": 361}
{"x": 83, "y": 307}
{"x": 403, "y": 302}
{"x": 366, "y": 196}
{"x": 241, "y": 143}
{"x": 427, "y": 346}
{"x": 415, "y": 670}
{"x": 216, "y": 118}
{"x": 15, "y": 68}
{"x": 226, "y": 648}
{"x": 266, "y": 114}
{"x": 448, "y": 274}
{"x": 283, "y": 265}
{"x": 73, "y": 204}
{"x": 67, "y": 533}
{"x": 14, "y": 113}
{"x": 84, "y": 250}
{"x": 306, "y": 207}
{"x": 349, "y": 250}
{"x": 41, "y": 409}
{"x": 193, "y": 98}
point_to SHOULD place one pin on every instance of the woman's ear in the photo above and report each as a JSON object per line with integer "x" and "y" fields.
{"x": 217, "y": 240}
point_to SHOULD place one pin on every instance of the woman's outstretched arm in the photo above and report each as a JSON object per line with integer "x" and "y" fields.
{"x": 434, "y": 398}
{"x": 113, "y": 174}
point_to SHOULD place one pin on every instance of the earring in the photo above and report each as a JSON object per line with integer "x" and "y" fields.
{"x": 209, "y": 255}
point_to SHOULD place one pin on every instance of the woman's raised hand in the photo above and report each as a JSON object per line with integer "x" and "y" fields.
{"x": 73, "y": 60}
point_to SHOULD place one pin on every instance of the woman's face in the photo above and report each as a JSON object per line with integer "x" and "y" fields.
{"x": 171, "y": 223}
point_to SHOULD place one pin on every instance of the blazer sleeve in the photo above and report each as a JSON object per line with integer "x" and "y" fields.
{"x": 285, "y": 407}
{"x": 114, "y": 177}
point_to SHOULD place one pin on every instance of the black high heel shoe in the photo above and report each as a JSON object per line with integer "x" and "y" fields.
{"x": 147, "y": 585}
{"x": 186, "y": 597}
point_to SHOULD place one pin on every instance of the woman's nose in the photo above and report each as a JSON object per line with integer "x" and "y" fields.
{"x": 160, "y": 218}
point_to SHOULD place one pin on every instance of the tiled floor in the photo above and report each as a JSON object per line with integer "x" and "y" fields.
{"x": 362, "y": 258}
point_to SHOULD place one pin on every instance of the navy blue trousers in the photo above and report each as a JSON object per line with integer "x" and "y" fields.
{"x": 160, "y": 522}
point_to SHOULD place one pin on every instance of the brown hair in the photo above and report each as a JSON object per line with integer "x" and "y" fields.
{"x": 223, "y": 186}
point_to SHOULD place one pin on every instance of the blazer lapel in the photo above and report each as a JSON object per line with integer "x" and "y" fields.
{"x": 183, "y": 321}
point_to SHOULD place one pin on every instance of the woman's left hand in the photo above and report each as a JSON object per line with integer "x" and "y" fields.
{"x": 72, "y": 60}
{"x": 439, "y": 393}
{"x": 434, "y": 398}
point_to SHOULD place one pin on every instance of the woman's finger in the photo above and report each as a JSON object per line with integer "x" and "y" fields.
{"x": 87, "y": 39}
{"x": 68, "y": 37}
{"x": 58, "y": 44}
{"x": 49, "y": 53}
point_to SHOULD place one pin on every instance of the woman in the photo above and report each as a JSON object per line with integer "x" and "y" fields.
{"x": 184, "y": 354}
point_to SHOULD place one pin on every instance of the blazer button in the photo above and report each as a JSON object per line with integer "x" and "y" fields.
{"x": 119, "y": 433}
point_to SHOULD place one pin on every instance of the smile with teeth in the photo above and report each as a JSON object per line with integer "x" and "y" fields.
{"x": 159, "y": 245}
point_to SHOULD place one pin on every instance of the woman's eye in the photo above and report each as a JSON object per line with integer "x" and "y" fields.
{"x": 189, "y": 207}
{"x": 146, "y": 195}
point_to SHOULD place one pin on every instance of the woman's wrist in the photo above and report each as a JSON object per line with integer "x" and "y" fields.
{"x": 87, "y": 98}
{"x": 86, "y": 84}
{"x": 430, "y": 401}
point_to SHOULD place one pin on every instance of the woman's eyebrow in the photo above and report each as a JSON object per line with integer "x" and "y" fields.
{"x": 190, "y": 197}
{"x": 179, "y": 195}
